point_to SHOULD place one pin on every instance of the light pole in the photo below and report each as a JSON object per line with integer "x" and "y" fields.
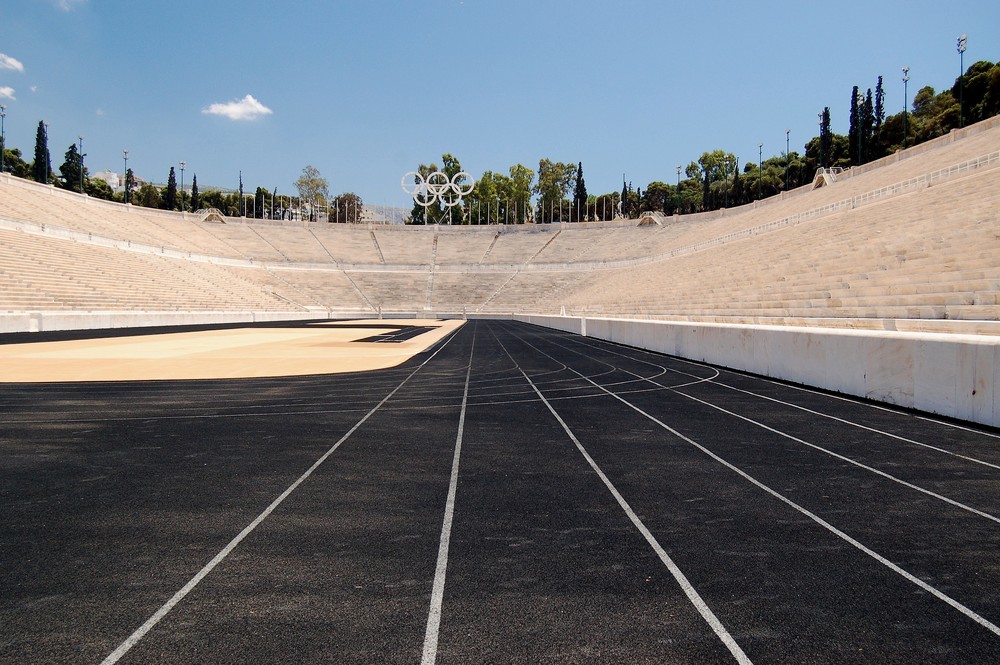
{"x": 961, "y": 79}
{"x": 821, "y": 164}
{"x": 3, "y": 137}
{"x": 677, "y": 209}
{"x": 48, "y": 157}
{"x": 906, "y": 77}
{"x": 81, "y": 163}
{"x": 182, "y": 165}
{"x": 788, "y": 156}
{"x": 760, "y": 171}
{"x": 125, "y": 175}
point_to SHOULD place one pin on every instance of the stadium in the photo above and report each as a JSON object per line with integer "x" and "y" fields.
{"x": 761, "y": 433}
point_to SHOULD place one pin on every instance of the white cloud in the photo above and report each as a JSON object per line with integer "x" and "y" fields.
{"x": 7, "y": 62}
{"x": 7, "y": 92}
{"x": 247, "y": 108}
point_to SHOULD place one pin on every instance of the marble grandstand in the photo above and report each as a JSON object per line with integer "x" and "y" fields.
{"x": 909, "y": 242}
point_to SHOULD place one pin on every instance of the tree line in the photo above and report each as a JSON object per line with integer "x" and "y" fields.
{"x": 715, "y": 180}
{"x": 557, "y": 191}
{"x": 312, "y": 200}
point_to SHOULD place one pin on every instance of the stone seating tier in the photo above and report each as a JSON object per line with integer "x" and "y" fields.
{"x": 928, "y": 253}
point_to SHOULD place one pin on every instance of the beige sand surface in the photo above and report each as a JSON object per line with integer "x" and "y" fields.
{"x": 218, "y": 354}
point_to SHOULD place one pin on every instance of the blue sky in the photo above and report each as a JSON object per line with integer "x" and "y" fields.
{"x": 366, "y": 90}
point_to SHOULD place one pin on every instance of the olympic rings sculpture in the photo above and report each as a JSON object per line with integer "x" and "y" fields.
{"x": 437, "y": 187}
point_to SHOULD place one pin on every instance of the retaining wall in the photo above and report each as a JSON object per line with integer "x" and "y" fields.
{"x": 11, "y": 322}
{"x": 945, "y": 374}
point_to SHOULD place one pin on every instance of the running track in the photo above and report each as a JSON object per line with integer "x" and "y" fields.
{"x": 514, "y": 495}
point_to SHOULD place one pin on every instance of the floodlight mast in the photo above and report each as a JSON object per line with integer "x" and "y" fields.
{"x": 48, "y": 157}
{"x": 788, "y": 134}
{"x": 760, "y": 171}
{"x": 81, "y": 163}
{"x": 961, "y": 80}
{"x": 906, "y": 78}
{"x": 3, "y": 136}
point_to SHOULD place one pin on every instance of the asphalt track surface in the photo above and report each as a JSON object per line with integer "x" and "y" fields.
{"x": 512, "y": 495}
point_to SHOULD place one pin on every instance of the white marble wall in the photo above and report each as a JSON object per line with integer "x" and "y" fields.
{"x": 945, "y": 374}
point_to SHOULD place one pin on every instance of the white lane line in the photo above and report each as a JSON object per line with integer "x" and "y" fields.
{"x": 870, "y": 469}
{"x": 858, "y": 401}
{"x": 706, "y": 612}
{"x": 827, "y": 451}
{"x": 982, "y": 621}
{"x": 993, "y": 628}
{"x": 437, "y": 592}
{"x": 860, "y": 426}
{"x": 141, "y": 631}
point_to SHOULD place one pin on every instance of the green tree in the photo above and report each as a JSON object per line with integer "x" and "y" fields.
{"x": 493, "y": 200}
{"x": 169, "y": 198}
{"x": 579, "y": 195}
{"x": 866, "y": 120}
{"x": 129, "y": 185}
{"x": 346, "y": 208}
{"x": 606, "y": 206}
{"x": 41, "y": 168}
{"x": 825, "y": 138}
{"x": 213, "y": 198}
{"x": 933, "y": 114}
{"x": 657, "y": 197}
{"x": 484, "y": 202}
{"x": 554, "y": 180}
{"x": 521, "y": 180}
{"x": 313, "y": 188}
{"x": 713, "y": 170}
{"x": 831, "y": 149}
{"x": 148, "y": 196}
{"x": 99, "y": 188}
{"x": 195, "y": 195}
{"x": 878, "y": 119}
{"x": 738, "y": 197}
{"x": 260, "y": 203}
{"x": 426, "y": 210}
{"x": 450, "y": 199}
{"x": 14, "y": 163}
{"x": 71, "y": 169}
{"x": 981, "y": 90}
{"x": 854, "y": 132}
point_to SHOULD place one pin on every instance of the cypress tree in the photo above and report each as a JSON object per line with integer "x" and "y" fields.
{"x": 867, "y": 122}
{"x": 825, "y": 139}
{"x": 878, "y": 118}
{"x": 129, "y": 185}
{"x": 195, "y": 196}
{"x": 737, "y": 185}
{"x": 41, "y": 169}
{"x": 170, "y": 200}
{"x": 854, "y": 133}
{"x": 70, "y": 169}
{"x": 579, "y": 195}
{"x": 624, "y": 200}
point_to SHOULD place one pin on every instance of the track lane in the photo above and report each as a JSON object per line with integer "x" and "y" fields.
{"x": 544, "y": 564}
{"x": 709, "y": 428}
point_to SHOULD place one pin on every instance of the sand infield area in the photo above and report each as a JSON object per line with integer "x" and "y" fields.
{"x": 254, "y": 351}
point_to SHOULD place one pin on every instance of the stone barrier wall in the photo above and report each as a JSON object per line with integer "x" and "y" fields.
{"x": 945, "y": 374}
